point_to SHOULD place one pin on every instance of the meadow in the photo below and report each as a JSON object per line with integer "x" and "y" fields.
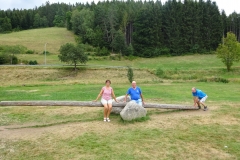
{"x": 35, "y": 39}
{"x": 55, "y": 132}
{"x": 79, "y": 132}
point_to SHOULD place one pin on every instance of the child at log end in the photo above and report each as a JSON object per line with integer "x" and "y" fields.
{"x": 199, "y": 98}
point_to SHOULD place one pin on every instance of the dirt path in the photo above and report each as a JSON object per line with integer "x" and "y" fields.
{"x": 163, "y": 119}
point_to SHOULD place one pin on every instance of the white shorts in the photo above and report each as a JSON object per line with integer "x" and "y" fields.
{"x": 139, "y": 101}
{"x": 203, "y": 99}
{"x": 103, "y": 101}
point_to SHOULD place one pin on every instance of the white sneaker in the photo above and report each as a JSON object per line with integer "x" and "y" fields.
{"x": 105, "y": 119}
{"x": 108, "y": 120}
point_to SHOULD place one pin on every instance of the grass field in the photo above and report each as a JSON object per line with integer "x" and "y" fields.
{"x": 35, "y": 39}
{"x": 79, "y": 133}
{"x": 55, "y": 133}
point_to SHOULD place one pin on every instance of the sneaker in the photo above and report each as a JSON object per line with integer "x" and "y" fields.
{"x": 205, "y": 108}
{"x": 105, "y": 119}
{"x": 108, "y": 120}
{"x": 199, "y": 107}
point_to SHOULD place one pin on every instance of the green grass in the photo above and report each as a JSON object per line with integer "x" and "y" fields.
{"x": 79, "y": 133}
{"x": 41, "y": 117}
{"x": 190, "y": 67}
{"x": 35, "y": 39}
{"x": 169, "y": 93}
{"x": 187, "y": 141}
{"x": 188, "y": 62}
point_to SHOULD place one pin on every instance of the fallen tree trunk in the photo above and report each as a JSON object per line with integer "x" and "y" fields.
{"x": 89, "y": 104}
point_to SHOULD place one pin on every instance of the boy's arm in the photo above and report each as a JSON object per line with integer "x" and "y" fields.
{"x": 195, "y": 100}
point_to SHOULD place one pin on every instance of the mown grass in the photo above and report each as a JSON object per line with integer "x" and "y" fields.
{"x": 161, "y": 135}
{"x": 35, "y": 39}
{"x": 188, "y": 62}
{"x": 167, "y": 93}
{"x": 188, "y": 140}
{"x": 42, "y": 116}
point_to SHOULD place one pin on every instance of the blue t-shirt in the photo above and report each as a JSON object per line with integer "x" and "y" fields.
{"x": 134, "y": 93}
{"x": 200, "y": 94}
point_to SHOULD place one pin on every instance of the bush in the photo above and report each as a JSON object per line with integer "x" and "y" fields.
{"x": 4, "y": 58}
{"x": 214, "y": 79}
{"x": 130, "y": 58}
{"x": 46, "y": 52}
{"x": 25, "y": 62}
{"x": 33, "y": 62}
{"x": 14, "y": 60}
{"x": 29, "y": 52}
{"x": 102, "y": 52}
{"x": 8, "y": 59}
{"x": 17, "y": 49}
{"x": 160, "y": 72}
{"x": 155, "y": 52}
{"x": 128, "y": 51}
{"x": 88, "y": 48}
{"x": 217, "y": 79}
{"x": 112, "y": 58}
{"x": 130, "y": 74}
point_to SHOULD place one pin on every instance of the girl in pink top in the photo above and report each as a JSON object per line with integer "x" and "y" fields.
{"x": 107, "y": 93}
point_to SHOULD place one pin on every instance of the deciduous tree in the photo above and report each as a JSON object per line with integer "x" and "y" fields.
{"x": 72, "y": 54}
{"x": 229, "y": 50}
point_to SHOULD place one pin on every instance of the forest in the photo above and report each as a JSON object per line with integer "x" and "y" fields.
{"x": 137, "y": 28}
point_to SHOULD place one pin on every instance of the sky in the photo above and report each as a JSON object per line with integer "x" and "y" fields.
{"x": 228, "y": 5}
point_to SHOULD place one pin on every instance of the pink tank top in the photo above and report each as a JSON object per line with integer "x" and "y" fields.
{"x": 107, "y": 93}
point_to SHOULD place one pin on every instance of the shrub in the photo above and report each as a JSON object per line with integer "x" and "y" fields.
{"x": 130, "y": 74}
{"x": 29, "y": 52}
{"x": 160, "y": 72}
{"x": 14, "y": 60}
{"x": 217, "y": 79}
{"x": 25, "y": 62}
{"x": 88, "y": 48}
{"x": 203, "y": 80}
{"x": 102, "y": 52}
{"x": 214, "y": 79}
{"x": 4, "y": 58}
{"x": 112, "y": 58}
{"x": 46, "y": 52}
{"x": 8, "y": 59}
{"x": 128, "y": 51}
{"x": 119, "y": 57}
{"x": 33, "y": 62}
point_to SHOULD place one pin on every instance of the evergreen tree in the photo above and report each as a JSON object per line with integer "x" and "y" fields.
{"x": 37, "y": 21}
{"x": 118, "y": 43}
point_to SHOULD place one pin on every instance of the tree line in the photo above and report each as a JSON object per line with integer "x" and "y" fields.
{"x": 138, "y": 28}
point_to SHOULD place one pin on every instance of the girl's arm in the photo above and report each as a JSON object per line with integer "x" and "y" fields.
{"x": 99, "y": 95}
{"x": 113, "y": 95}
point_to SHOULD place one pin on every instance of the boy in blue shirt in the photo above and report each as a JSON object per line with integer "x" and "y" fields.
{"x": 135, "y": 94}
{"x": 199, "y": 97}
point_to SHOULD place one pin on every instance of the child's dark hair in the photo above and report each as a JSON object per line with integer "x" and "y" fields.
{"x": 108, "y": 81}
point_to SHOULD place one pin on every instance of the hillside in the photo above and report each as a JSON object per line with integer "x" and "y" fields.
{"x": 35, "y": 39}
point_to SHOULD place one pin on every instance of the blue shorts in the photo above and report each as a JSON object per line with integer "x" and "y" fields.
{"x": 139, "y": 101}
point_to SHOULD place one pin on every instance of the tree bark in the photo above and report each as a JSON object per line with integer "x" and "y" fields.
{"x": 75, "y": 66}
{"x": 90, "y": 104}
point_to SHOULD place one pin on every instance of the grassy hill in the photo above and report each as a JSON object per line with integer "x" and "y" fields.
{"x": 35, "y": 39}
